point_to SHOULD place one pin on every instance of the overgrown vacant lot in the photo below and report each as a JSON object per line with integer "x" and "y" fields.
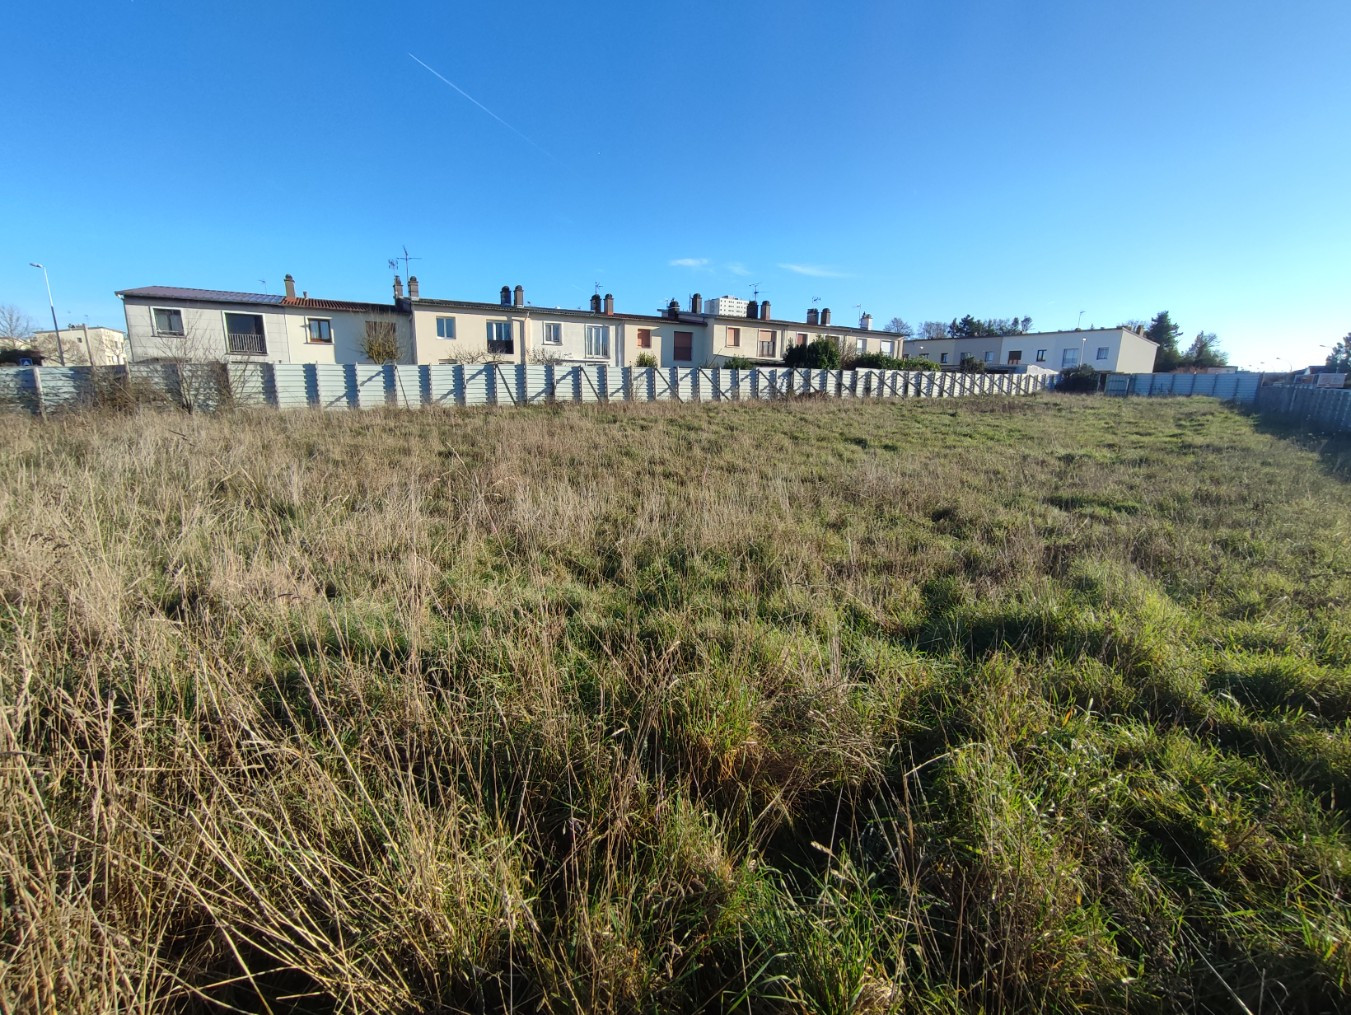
{"x": 995, "y": 705}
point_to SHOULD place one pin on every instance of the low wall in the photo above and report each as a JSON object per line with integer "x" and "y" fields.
{"x": 41, "y": 390}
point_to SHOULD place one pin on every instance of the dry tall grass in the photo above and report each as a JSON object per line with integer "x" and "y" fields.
{"x": 801, "y": 707}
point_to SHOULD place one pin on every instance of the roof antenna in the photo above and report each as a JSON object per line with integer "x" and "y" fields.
{"x": 755, "y": 290}
{"x": 394, "y": 261}
{"x": 816, "y": 299}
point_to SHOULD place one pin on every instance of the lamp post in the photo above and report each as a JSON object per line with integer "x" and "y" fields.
{"x": 60, "y": 346}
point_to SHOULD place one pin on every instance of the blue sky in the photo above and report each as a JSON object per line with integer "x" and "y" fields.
{"x": 921, "y": 160}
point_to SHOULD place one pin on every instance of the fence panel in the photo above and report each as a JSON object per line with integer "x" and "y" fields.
{"x": 479, "y": 384}
{"x": 591, "y": 383}
{"x": 19, "y": 389}
{"x": 619, "y": 384}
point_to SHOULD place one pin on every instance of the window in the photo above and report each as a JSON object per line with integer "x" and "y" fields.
{"x": 683, "y": 347}
{"x": 499, "y": 338}
{"x": 860, "y": 345}
{"x": 801, "y": 338}
{"x": 244, "y": 334}
{"x": 1041, "y": 355}
{"x": 886, "y": 346}
{"x": 167, "y": 322}
{"x": 320, "y": 330}
{"x": 445, "y": 327}
{"x": 598, "y": 340}
{"x": 644, "y": 338}
{"x": 1015, "y": 357}
{"x": 1104, "y": 351}
{"x": 767, "y": 343}
{"x": 942, "y": 357}
{"x": 989, "y": 357}
{"x": 553, "y": 333}
{"x": 734, "y": 337}
{"x": 1069, "y": 358}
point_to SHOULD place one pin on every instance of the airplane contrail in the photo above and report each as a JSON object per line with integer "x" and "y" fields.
{"x": 483, "y": 107}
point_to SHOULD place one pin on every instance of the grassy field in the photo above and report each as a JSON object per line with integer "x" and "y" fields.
{"x": 1035, "y": 705}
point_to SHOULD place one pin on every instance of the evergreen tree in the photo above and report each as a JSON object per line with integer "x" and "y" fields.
{"x": 1340, "y": 357}
{"x": 1163, "y": 331}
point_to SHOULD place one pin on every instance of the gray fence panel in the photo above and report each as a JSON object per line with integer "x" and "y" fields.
{"x": 685, "y": 383}
{"x": 444, "y": 384}
{"x": 478, "y": 384}
{"x": 334, "y": 388}
{"x": 405, "y": 385}
{"x": 619, "y": 384}
{"x": 591, "y": 383}
{"x": 294, "y": 385}
{"x": 19, "y": 389}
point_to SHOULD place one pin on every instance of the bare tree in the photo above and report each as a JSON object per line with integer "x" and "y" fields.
{"x": 897, "y": 326}
{"x": 16, "y": 327}
{"x": 933, "y": 330}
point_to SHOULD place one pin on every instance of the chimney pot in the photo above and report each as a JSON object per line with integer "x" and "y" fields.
{"x": 673, "y": 310}
{"x": 764, "y": 310}
{"x": 412, "y": 287}
{"x": 696, "y": 304}
{"x": 752, "y": 310}
{"x": 519, "y": 296}
{"x": 866, "y": 322}
{"x": 825, "y": 317}
{"x": 813, "y": 316}
{"x": 290, "y": 287}
{"x": 505, "y": 296}
{"x": 595, "y": 303}
{"x": 398, "y": 288}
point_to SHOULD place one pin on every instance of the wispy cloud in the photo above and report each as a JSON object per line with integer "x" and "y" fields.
{"x": 813, "y": 270}
{"x": 481, "y": 106}
{"x": 689, "y": 262}
{"x": 737, "y": 268}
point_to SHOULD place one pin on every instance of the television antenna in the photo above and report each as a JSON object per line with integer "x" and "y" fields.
{"x": 755, "y": 290}
{"x": 816, "y": 299}
{"x": 263, "y": 282}
{"x": 394, "y": 261}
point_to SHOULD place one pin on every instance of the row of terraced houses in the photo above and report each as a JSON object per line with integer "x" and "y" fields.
{"x": 166, "y": 323}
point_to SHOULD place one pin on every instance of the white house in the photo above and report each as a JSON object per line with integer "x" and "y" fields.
{"x": 168, "y": 323}
{"x": 1107, "y": 350}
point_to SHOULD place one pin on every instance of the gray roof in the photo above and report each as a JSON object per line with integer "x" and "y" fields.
{"x": 168, "y": 292}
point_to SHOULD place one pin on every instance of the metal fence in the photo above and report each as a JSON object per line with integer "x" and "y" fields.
{"x": 1324, "y": 408}
{"x": 41, "y": 390}
{"x": 1241, "y": 387}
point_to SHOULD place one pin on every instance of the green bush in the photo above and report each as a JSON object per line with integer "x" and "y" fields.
{"x": 1080, "y": 379}
{"x": 738, "y": 363}
{"x": 971, "y": 365}
{"x": 820, "y": 354}
{"x": 645, "y": 359}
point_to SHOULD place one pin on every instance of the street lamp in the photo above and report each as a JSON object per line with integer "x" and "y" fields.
{"x": 60, "y": 346}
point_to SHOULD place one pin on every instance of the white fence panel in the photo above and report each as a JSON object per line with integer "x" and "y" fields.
{"x": 478, "y": 384}
{"x": 591, "y": 383}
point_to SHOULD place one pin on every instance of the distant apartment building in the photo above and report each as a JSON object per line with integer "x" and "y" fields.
{"x": 1107, "y": 350}
{"x": 82, "y": 345}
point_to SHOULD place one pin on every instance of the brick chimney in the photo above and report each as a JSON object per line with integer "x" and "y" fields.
{"x": 412, "y": 287}
{"x": 398, "y": 288}
{"x": 696, "y": 304}
{"x": 290, "y": 287}
{"x": 764, "y": 310}
{"x": 518, "y": 296}
{"x": 504, "y": 297}
{"x": 609, "y": 305}
{"x": 825, "y": 317}
{"x": 812, "y": 316}
{"x": 595, "y": 303}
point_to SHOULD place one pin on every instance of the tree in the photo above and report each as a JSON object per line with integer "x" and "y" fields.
{"x": 933, "y": 330}
{"x": 1165, "y": 333}
{"x": 898, "y": 327}
{"x": 1340, "y": 357}
{"x": 1205, "y": 351}
{"x": 16, "y": 327}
